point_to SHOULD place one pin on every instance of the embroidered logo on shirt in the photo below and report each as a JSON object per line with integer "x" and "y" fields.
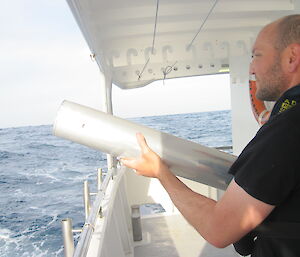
{"x": 287, "y": 104}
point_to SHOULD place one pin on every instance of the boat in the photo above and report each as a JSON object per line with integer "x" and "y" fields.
{"x": 137, "y": 42}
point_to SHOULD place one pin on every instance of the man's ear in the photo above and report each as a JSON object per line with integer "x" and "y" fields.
{"x": 293, "y": 55}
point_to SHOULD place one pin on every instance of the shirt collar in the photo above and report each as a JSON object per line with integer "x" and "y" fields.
{"x": 290, "y": 98}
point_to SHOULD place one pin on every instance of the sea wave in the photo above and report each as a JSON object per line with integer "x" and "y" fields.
{"x": 41, "y": 178}
{"x": 7, "y": 155}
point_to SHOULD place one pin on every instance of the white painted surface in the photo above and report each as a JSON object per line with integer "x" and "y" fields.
{"x": 244, "y": 125}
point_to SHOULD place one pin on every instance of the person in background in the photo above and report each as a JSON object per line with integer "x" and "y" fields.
{"x": 259, "y": 212}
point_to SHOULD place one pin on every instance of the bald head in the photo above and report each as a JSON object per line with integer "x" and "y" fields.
{"x": 287, "y": 31}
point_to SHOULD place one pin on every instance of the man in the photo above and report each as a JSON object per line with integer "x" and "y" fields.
{"x": 266, "y": 185}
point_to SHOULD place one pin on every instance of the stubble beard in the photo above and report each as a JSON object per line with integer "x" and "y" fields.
{"x": 271, "y": 85}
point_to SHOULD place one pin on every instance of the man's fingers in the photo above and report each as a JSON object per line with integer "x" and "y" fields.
{"x": 129, "y": 162}
{"x": 142, "y": 142}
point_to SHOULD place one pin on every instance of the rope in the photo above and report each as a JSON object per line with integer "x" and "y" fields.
{"x": 167, "y": 70}
{"x": 140, "y": 75}
{"x": 153, "y": 41}
{"x": 210, "y": 11}
{"x": 154, "y": 32}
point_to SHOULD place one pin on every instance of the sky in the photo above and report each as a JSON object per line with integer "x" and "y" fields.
{"x": 44, "y": 60}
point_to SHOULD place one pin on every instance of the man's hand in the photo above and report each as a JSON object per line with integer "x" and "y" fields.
{"x": 149, "y": 163}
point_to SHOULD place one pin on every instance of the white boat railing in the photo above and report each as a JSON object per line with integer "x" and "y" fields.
{"x": 91, "y": 216}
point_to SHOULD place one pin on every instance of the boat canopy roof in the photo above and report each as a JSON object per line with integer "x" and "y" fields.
{"x": 139, "y": 41}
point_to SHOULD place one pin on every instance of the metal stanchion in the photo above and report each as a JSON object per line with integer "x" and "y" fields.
{"x": 136, "y": 223}
{"x": 86, "y": 198}
{"x": 68, "y": 237}
{"x": 99, "y": 179}
{"x": 67, "y": 223}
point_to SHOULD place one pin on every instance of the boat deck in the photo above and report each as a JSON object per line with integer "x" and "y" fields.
{"x": 172, "y": 236}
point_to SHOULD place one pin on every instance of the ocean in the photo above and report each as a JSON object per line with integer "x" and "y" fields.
{"x": 41, "y": 178}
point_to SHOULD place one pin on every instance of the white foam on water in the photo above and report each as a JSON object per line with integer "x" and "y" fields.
{"x": 5, "y": 234}
{"x": 54, "y": 219}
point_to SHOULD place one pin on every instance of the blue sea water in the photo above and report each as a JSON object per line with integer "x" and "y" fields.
{"x": 41, "y": 178}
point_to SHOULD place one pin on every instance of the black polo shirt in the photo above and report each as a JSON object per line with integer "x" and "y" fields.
{"x": 269, "y": 170}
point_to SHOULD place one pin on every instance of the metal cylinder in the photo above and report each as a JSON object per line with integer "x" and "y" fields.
{"x": 136, "y": 223}
{"x": 86, "y": 198}
{"x": 116, "y": 136}
{"x": 68, "y": 237}
{"x": 99, "y": 179}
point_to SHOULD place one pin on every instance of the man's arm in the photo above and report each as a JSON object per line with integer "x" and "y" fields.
{"x": 220, "y": 223}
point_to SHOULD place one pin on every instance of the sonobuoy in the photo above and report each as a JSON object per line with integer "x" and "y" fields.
{"x": 117, "y": 136}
